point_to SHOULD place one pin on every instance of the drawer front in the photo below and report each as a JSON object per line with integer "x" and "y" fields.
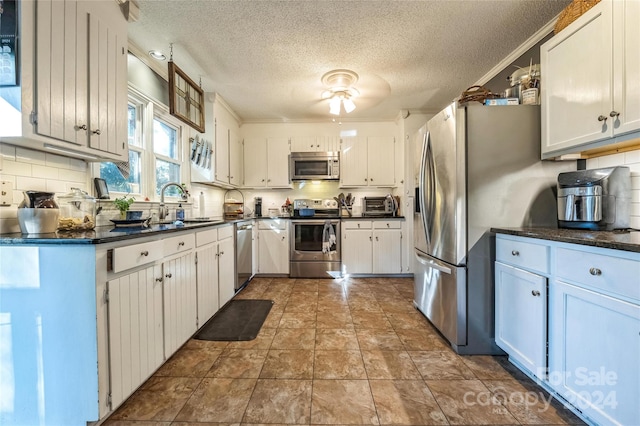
{"x": 387, "y": 224}
{"x": 136, "y": 255}
{"x": 356, "y": 224}
{"x": 273, "y": 224}
{"x": 532, "y": 256}
{"x": 179, "y": 244}
{"x": 225, "y": 232}
{"x": 206, "y": 237}
{"x": 610, "y": 274}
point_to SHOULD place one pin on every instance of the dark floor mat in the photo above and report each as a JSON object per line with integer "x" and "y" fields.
{"x": 237, "y": 320}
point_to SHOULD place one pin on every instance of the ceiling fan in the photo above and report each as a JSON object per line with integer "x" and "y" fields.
{"x": 340, "y": 90}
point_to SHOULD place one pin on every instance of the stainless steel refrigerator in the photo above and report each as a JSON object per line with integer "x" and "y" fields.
{"x": 479, "y": 168}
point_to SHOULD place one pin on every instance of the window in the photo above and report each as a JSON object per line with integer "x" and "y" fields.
{"x": 155, "y": 152}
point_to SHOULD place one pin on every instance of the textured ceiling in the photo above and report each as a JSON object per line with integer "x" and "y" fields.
{"x": 266, "y": 58}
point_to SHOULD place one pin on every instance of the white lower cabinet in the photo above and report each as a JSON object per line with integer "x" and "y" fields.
{"x": 372, "y": 246}
{"x": 135, "y": 330}
{"x": 521, "y": 317}
{"x": 207, "y": 274}
{"x": 273, "y": 246}
{"x": 226, "y": 262}
{"x": 594, "y": 353}
{"x": 593, "y": 342}
{"x": 180, "y": 307}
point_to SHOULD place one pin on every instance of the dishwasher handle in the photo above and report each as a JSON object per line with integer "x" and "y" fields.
{"x": 245, "y": 227}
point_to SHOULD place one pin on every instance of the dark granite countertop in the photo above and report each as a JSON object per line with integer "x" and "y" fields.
{"x": 619, "y": 240}
{"x": 107, "y": 234}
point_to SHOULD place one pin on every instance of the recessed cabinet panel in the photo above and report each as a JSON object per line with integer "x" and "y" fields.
{"x": 594, "y": 353}
{"x": 81, "y": 80}
{"x": 521, "y": 320}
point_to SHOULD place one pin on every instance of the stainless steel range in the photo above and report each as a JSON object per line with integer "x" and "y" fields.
{"x": 315, "y": 239}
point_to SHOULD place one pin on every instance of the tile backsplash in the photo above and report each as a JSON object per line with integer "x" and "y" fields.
{"x": 24, "y": 169}
{"x": 630, "y": 159}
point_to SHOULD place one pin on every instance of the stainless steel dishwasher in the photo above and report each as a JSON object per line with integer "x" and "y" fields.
{"x": 244, "y": 255}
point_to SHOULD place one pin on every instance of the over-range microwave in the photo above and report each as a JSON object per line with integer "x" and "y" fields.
{"x": 314, "y": 165}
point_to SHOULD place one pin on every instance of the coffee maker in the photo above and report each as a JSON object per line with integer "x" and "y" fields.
{"x": 597, "y": 199}
{"x": 258, "y": 206}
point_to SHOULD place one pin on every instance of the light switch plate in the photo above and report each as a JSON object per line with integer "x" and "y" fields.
{"x": 6, "y": 193}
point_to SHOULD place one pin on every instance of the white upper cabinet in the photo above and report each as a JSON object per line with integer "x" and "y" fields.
{"x": 591, "y": 90}
{"x": 74, "y": 78}
{"x": 228, "y": 146}
{"x": 367, "y": 161}
{"x": 266, "y": 163}
{"x": 83, "y": 46}
{"x": 235, "y": 158}
{"x": 315, "y": 143}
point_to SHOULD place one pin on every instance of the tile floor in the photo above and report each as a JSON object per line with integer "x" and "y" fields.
{"x": 337, "y": 352}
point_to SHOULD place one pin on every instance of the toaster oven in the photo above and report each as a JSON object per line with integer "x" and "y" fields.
{"x": 378, "y": 206}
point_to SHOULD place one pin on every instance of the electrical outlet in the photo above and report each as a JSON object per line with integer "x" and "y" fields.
{"x": 6, "y": 193}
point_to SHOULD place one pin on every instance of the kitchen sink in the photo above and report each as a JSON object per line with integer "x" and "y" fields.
{"x": 192, "y": 220}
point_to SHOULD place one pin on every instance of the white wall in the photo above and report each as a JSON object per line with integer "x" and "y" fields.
{"x": 632, "y": 160}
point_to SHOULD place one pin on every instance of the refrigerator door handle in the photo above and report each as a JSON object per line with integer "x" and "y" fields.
{"x": 423, "y": 189}
{"x": 432, "y": 264}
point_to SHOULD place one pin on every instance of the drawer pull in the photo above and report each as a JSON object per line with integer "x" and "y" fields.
{"x": 535, "y": 293}
{"x": 168, "y": 275}
{"x": 181, "y": 243}
{"x": 595, "y": 271}
{"x": 144, "y": 253}
{"x": 515, "y": 253}
{"x": 159, "y": 279}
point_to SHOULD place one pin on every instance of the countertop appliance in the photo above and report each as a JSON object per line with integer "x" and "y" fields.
{"x": 597, "y": 199}
{"x": 244, "y": 254}
{"x": 479, "y": 167}
{"x": 314, "y": 165}
{"x": 257, "y": 207}
{"x": 379, "y": 206}
{"x": 315, "y": 240}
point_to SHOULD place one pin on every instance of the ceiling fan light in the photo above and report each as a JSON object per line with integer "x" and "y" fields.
{"x": 348, "y": 105}
{"x": 353, "y": 92}
{"x": 334, "y": 106}
{"x": 326, "y": 94}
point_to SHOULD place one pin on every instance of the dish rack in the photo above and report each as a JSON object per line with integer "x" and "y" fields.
{"x": 232, "y": 208}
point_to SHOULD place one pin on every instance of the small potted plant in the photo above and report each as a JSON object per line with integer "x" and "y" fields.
{"x": 123, "y": 204}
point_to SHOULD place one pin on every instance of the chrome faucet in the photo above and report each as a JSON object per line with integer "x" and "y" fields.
{"x": 164, "y": 211}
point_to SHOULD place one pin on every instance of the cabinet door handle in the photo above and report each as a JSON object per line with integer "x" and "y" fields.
{"x": 159, "y": 279}
{"x": 262, "y": 180}
{"x": 515, "y": 253}
{"x": 388, "y": 225}
{"x": 614, "y": 114}
{"x": 181, "y": 243}
{"x": 370, "y": 179}
{"x": 221, "y": 253}
{"x": 144, "y": 253}
{"x": 535, "y": 293}
{"x": 595, "y": 271}
{"x": 81, "y": 127}
{"x": 365, "y": 179}
{"x": 370, "y": 239}
{"x": 96, "y": 132}
{"x": 377, "y": 239}
{"x": 283, "y": 238}
{"x": 602, "y": 118}
{"x": 168, "y": 275}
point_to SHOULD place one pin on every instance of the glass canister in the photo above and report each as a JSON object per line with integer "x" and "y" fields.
{"x": 77, "y": 211}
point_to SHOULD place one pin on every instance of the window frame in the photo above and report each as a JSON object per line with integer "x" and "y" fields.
{"x": 149, "y": 109}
